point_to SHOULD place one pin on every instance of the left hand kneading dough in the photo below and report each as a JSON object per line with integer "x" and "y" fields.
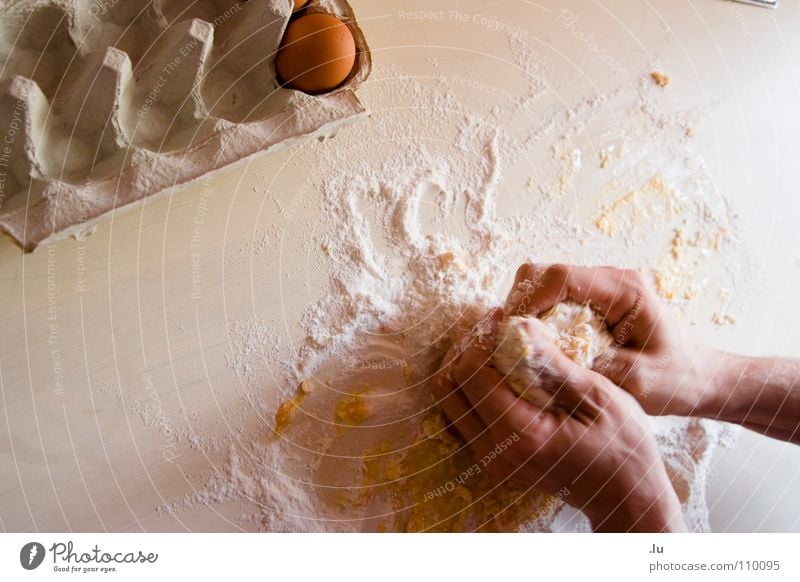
{"x": 575, "y": 329}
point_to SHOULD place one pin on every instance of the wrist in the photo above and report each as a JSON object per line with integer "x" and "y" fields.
{"x": 658, "y": 514}
{"x": 723, "y": 384}
{"x": 648, "y": 505}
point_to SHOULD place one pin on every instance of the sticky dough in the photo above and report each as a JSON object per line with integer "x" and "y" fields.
{"x": 575, "y": 329}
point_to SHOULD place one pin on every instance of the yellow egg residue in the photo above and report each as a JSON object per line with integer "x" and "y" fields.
{"x": 437, "y": 484}
{"x": 352, "y": 411}
{"x": 286, "y": 411}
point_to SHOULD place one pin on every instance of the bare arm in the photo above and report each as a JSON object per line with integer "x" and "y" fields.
{"x": 662, "y": 366}
{"x": 762, "y": 394}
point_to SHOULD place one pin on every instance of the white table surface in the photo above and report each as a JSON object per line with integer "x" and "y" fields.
{"x": 72, "y": 459}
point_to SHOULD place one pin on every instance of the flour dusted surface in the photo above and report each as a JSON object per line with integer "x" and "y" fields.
{"x": 417, "y": 225}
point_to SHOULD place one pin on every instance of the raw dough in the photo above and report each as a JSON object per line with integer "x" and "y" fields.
{"x": 575, "y": 329}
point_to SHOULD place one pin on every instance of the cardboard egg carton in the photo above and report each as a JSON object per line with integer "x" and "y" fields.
{"x": 106, "y": 102}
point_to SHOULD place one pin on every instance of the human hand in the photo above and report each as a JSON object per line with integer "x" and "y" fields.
{"x": 594, "y": 439}
{"x": 663, "y": 368}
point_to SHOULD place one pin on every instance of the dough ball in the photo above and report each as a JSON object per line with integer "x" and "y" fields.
{"x": 575, "y": 329}
{"x": 317, "y": 53}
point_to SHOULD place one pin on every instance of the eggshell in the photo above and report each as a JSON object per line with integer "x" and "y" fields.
{"x": 317, "y": 53}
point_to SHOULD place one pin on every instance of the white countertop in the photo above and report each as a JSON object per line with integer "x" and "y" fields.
{"x": 118, "y": 306}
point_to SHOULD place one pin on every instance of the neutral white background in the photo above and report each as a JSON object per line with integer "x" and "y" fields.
{"x": 73, "y": 459}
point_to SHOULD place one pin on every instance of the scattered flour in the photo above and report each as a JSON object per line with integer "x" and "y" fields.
{"x": 421, "y": 226}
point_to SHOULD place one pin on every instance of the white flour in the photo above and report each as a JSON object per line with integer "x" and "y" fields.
{"x": 422, "y": 224}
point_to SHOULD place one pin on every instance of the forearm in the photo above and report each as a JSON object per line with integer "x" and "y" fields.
{"x": 762, "y": 394}
{"x": 647, "y": 507}
{"x": 660, "y": 517}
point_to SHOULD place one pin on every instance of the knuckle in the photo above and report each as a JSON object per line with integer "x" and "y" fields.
{"x": 629, "y": 368}
{"x": 599, "y": 393}
{"x": 556, "y": 275}
{"x": 524, "y": 270}
{"x": 634, "y": 278}
{"x": 559, "y": 271}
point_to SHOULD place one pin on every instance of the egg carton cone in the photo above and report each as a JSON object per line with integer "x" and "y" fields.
{"x": 104, "y": 103}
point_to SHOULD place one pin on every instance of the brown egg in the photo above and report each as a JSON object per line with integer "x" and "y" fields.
{"x": 298, "y": 4}
{"x": 316, "y": 54}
